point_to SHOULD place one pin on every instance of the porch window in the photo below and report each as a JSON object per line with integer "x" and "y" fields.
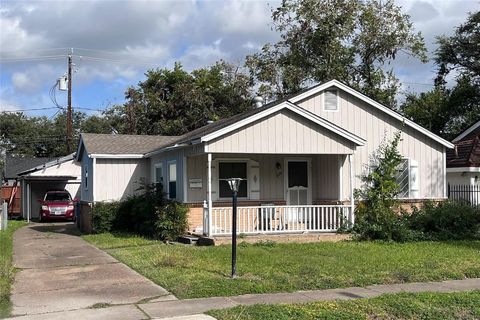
{"x": 228, "y": 170}
{"x": 172, "y": 180}
{"x": 158, "y": 173}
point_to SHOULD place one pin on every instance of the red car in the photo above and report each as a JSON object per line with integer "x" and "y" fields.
{"x": 57, "y": 205}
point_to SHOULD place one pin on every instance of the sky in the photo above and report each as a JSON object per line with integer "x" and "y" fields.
{"x": 115, "y": 42}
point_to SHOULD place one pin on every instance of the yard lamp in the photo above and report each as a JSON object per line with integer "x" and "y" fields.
{"x": 234, "y": 184}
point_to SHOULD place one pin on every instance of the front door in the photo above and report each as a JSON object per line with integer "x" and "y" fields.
{"x": 298, "y": 182}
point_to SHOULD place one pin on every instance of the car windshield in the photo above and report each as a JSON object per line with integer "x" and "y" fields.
{"x": 57, "y": 196}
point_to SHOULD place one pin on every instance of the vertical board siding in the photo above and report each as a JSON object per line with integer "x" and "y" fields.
{"x": 282, "y": 133}
{"x": 325, "y": 176}
{"x": 373, "y": 125}
{"x": 165, "y": 158}
{"x": 119, "y": 178}
{"x": 86, "y": 194}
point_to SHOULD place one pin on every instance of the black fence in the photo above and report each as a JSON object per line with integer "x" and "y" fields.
{"x": 468, "y": 193}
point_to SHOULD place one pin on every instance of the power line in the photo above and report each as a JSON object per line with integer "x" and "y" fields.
{"x": 27, "y": 110}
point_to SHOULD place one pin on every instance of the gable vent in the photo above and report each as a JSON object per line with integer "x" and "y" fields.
{"x": 331, "y": 100}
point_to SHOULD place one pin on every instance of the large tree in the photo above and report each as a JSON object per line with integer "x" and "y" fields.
{"x": 450, "y": 108}
{"x": 350, "y": 40}
{"x": 173, "y": 102}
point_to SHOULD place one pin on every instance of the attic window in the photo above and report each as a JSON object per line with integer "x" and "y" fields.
{"x": 330, "y": 100}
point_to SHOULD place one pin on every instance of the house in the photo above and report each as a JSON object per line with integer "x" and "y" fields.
{"x": 299, "y": 159}
{"x": 463, "y": 166}
{"x": 463, "y": 162}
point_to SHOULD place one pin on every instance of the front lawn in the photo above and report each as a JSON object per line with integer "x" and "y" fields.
{"x": 441, "y": 306}
{"x": 6, "y": 269}
{"x": 190, "y": 272}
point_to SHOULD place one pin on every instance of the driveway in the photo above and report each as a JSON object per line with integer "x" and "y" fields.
{"x": 59, "y": 271}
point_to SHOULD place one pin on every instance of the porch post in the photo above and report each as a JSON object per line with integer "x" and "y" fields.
{"x": 209, "y": 157}
{"x": 352, "y": 201}
{"x": 29, "y": 200}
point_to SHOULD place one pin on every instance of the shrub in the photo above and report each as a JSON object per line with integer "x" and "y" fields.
{"x": 171, "y": 221}
{"x": 445, "y": 221}
{"x": 103, "y": 216}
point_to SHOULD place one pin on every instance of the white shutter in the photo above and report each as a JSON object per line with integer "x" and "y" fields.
{"x": 414, "y": 179}
{"x": 254, "y": 180}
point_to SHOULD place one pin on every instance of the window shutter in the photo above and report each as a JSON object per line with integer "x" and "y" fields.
{"x": 414, "y": 179}
{"x": 254, "y": 180}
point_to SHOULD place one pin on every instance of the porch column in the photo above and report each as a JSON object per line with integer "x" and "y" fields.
{"x": 352, "y": 201}
{"x": 29, "y": 200}
{"x": 209, "y": 157}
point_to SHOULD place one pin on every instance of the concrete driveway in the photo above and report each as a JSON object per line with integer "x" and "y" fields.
{"x": 60, "y": 272}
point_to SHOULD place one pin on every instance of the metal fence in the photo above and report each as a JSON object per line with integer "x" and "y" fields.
{"x": 468, "y": 193}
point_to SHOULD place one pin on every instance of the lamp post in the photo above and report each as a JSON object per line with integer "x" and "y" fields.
{"x": 234, "y": 184}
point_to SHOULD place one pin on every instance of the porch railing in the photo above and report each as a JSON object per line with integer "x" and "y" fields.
{"x": 278, "y": 219}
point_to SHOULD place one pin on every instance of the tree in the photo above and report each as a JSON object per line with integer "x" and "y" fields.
{"x": 173, "y": 102}
{"x": 448, "y": 111}
{"x": 350, "y": 40}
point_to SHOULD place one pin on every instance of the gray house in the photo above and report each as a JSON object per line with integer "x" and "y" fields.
{"x": 299, "y": 160}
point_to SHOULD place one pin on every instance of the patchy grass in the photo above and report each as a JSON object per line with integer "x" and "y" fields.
{"x": 441, "y": 306}
{"x": 7, "y": 271}
{"x": 189, "y": 271}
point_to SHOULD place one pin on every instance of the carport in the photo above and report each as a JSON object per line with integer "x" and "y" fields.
{"x": 60, "y": 174}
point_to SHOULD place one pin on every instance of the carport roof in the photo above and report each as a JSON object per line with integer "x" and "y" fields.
{"x": 49, "y": 178}
{"x": 15, "y": 165}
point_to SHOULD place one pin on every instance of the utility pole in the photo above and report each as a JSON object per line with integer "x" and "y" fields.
{"x": 69, "y": 107}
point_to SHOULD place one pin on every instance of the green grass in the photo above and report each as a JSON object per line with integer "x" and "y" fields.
{"x": 190, "y": 272}
{"x": 7, "y": 271}
{"x": 441, "y": 306}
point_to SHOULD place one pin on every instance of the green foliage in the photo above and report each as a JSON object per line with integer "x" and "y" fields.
{"x": 146, "y": 214}
{"x": 171, "y": 221}
{"x": 173, "y": 102}
{"x": 352, "y": 41}
{"x": 376, "y": 213}
{"x": 103, "y": 216}
{"x": 427, "y": 305}
{"x": 7, "y": 270}
{"x": 445, "y": 221}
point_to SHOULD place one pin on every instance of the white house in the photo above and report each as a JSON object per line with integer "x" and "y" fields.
{"x": 299, "y": 160}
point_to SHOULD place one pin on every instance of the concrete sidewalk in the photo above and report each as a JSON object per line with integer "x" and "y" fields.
{"x": 62, "y": 272}
{"x": 192, "y": 309}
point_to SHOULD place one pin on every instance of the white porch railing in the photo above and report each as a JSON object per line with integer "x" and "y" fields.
{"x": 277, "y": 219}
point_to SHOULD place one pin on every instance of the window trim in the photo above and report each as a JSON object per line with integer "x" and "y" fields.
{"x": 168, "y": 178}
{"x": 371, "y": 166}
{"x": 234, "y": 160}
{"x": 86, "y": 178}
{"x": 338, "y": 100}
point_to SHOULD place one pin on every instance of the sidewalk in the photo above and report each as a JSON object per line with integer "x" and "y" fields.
{"x": 192, "y": 309}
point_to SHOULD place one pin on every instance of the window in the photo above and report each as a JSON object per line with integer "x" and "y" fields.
{"x": 403, "y": 179}
{"x": 228, "y": 170}
{"x": 86, "y": 178}
{"x": 330, "y": 100}
{"x": 172, "y": 180}
{"x": 158, "y": 173}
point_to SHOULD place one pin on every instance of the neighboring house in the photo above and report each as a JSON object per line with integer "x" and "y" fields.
{"x": 58, "y": 174}
{"x": 299, "y": 160}
{"x": 463, "y": 162}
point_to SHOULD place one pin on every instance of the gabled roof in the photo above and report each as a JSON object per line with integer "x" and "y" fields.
{"x": 224, "y": 126}
{"x": 335, "y": 83}
{"x": 15, "y": 165}
{"x": 467, "y": 149}
{"x": 114, "y": 145}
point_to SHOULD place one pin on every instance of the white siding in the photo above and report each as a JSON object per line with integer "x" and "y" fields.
{"x": 282, "y": 133}
{"x": 116, "y": 179}
{"x": 467, "y": 178}
{"x": 373, "y": 125}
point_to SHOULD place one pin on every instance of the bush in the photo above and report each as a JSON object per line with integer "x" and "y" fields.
{"x": 445, "y": 221}
{"x": 103, "y": 216}
{"x": 171, "y": 221}
{"x": 148, "y": 214}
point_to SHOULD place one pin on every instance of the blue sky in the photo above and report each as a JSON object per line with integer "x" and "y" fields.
{"x": 115, "y": 42}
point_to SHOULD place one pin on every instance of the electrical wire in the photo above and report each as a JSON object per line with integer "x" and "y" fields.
{"x": 27, "y": 110}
